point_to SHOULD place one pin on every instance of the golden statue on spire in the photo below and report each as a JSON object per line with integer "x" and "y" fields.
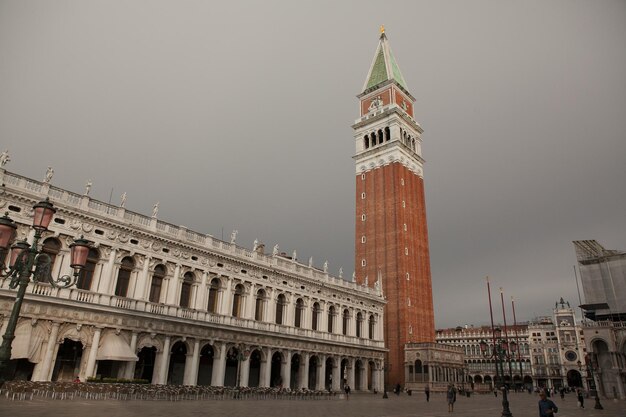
{"x": 382, "y": 29}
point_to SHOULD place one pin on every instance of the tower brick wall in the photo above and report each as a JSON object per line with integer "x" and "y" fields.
{"x": 393, "y": 242}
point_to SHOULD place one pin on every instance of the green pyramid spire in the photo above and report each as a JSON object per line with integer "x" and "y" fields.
{"x": 384, "y": 67}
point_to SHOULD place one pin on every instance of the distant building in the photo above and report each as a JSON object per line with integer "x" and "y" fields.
{"x": 603, "y": 277}
{"x": 433, "y": 365}
{"x": 557, "y": 349}
{"x": 480, "y": 372}
{"x": 548, "y": 352}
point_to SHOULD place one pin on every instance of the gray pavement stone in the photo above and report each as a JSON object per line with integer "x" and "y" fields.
{"x": 359, "y": 405}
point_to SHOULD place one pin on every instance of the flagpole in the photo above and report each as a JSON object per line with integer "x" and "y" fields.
{"x": 519, "y": 347}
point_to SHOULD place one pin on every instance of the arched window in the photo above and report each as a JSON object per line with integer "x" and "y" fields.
{"x": 238, "y": 301}
{"x": 366, "y": 141}
{"x": 123, "y": 276}
{"x": 185, "y": 290}
{"x": 316, "y": 316}
{"x": 86, "y": 274}
{"x": 281, "y": 302}
{"x": 156, "y": 284}
{"x": 380, "y": 136}
{"x": 331, "y": 318}
{"x": 51, "y": 247}
{"x": 299, "y": 310}
{"x": 260, "y": 305}
{"x": 346, "y": 322}
{"x": 371, "y": 326}
{"x": 213, "y": 293}
{"x": 387, "y": 134}
{"x": 359, "y": 323}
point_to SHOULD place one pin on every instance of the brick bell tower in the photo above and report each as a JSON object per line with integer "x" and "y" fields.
{"x": 391, "y": 242}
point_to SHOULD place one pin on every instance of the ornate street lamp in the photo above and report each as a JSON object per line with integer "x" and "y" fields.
{"x": 28, "y": 263}
{"x": 499, "y": 352}
{"x": 580, "y": 371}
{"x": 386, "y": 370}
{"x": 591, "y": 366}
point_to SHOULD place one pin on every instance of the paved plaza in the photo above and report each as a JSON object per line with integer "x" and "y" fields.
{"x": 361, "y": 405}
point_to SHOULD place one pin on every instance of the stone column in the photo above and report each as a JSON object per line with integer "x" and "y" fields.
{"x": 201, "y": 296}
{"x": 290, "y": 308}
{"x": 143, "y": 280}
{"x": 172, "y": 287}
{"x": 62, "y": 266}
{"x": 250, "y": 303}
{"x": 227, "y": 299}
{"x": 352, "y": 326}
{"x": 244, "y": 369}
{"x": 219, "y": 366}
{"x": 271, "y": 306}
{"x": 304, "y": 371}
{"x": 321, "y": 383}
{"x": 164, "y": 362}
{"x": 266, "y": 369}
{"x": 337, "y": 375}
{"x": 322, "y": 324}
{"x": 188, "y": 367}
{"x": 351, "y": 370}
{"x": 305, "y": 320}
{"x": 44, "y": 374}
{"x": 129, "y": 372}
{"x": 285, "y": 371}
{"x": 108, "y": 275}
{"x": 195, "y": 363}
{"x": 93, "y": 353}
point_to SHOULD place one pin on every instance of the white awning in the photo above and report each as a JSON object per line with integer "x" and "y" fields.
{"x": 114, "y": 348}
{"x": 27, "y": 343}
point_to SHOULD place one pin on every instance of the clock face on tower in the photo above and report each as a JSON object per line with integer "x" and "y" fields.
{"x": 571, "y": 356}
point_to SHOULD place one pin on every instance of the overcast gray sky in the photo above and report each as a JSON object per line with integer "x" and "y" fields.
{"x": 237, "y": 115}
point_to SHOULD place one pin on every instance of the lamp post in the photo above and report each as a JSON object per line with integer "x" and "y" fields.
{"x": 386, "y": 369}
{"x": 591, "y": 365}
{"x": 519, "y": 347}
{"x": 28, "y": 263}
{"x": 513, "y": 348}
{"x": 580, "y": 370}
{"x": 499, "y": 352}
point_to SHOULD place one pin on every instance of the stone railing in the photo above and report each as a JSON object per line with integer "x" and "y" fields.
{"x": 181, "y": 233}
{"x": 604, "y": 323}
{"x": 438, "y": 346}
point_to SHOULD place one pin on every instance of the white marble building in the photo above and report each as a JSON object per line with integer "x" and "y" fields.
{"x": 164, "y": 303}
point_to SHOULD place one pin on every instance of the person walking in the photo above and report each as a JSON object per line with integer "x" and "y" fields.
{"x": 346, "y": 388}
{"x": 451, "y": 397}
{"x": 546, "y": 407}
{"x": 427, "y": 392}
{"x": 398, "y": 388}
{"x": 581, "y": 398}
